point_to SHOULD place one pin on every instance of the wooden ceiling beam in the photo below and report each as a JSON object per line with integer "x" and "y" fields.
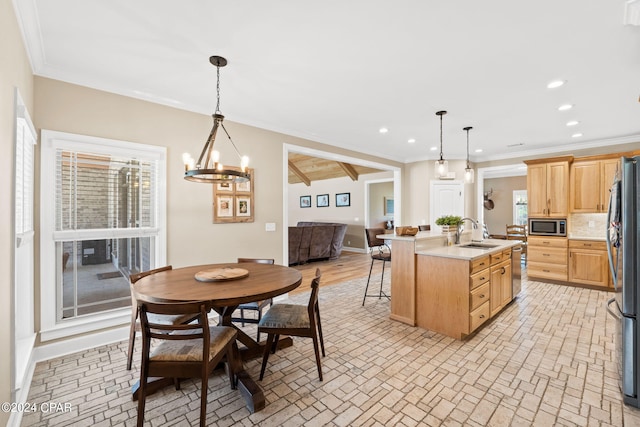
{"x": 297, "y": 172}
{"x": 349, "y": 170}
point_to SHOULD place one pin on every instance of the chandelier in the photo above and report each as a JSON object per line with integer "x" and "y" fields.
{"x": 468, "y": 171}
{"x": 208, "y": 169}
{"x": 441, "y": 166}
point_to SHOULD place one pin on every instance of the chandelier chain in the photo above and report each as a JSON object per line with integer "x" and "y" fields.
{"x": 218, "y": 89}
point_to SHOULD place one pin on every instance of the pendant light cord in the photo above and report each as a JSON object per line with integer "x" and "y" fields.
{"x": 218, "y": 90}
{"x": 441, "y": 155}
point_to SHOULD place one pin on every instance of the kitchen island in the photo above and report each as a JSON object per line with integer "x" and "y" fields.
{"x": 452, "y": 290}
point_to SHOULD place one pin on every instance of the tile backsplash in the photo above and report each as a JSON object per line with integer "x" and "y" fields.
{"x": 579, "y": 225}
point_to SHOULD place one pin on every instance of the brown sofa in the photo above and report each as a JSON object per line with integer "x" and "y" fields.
{"x": 312, "y": 241}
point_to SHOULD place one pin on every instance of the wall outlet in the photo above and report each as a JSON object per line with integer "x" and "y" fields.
{"x": 592, "y": 224}
{"x": 270, "y": 226}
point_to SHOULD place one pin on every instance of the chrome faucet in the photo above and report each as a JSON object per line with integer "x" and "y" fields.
{"x": 461, "y": 228}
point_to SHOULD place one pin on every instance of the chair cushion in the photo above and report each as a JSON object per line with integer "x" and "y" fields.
{"x": 191, "y": 350}
{"x": 255, "y": 305}
{"x": 166, "y": 319}
{"x": 285, "y": 316}
{"x": 385, "y": 256}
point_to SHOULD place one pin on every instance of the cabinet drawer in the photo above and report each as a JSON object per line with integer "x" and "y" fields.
{"x": 588, "y": 244}
{"x": 479, "y": 296}
{"x": 554, "y": 242}
{"x": 547, "y": 271}
{"x": 479, "y": 278}
{"x": 478, "y": 316}
{"x": 479, "y": 264}
{"x": 548, "y": 255}
{"x": 497, "y": 257}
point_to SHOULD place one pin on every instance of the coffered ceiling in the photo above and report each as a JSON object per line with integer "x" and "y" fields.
{"x": 337, "y": 71}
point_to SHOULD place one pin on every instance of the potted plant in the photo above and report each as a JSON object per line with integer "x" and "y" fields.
{"x": 448, "y": 222}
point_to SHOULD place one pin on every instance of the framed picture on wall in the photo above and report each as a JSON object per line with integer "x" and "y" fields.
{"x": 234, "y": 202}
{"x": 388, "y": 206}
{"x": 305, "y": 201}
{"x": 343, "y": 199}
{"x": 322, "y": 200}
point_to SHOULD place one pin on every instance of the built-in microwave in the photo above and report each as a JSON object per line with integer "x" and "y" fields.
{"x": 547, "y": 227}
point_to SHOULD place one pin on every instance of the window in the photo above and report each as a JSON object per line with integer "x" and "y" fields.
{"x": 520, "y": 207}
{"x": 102, "y": 219}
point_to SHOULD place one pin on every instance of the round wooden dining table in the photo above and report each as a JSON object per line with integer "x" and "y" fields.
{"x": 263, "y": 281}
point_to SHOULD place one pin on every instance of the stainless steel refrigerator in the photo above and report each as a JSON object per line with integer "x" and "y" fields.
{"x": 624, "y": 248}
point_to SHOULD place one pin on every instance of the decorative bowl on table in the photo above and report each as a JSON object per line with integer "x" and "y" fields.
{"x": 406, "y": 231}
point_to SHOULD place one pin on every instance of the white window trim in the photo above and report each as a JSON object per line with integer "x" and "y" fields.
{"x": 51, "y": 140}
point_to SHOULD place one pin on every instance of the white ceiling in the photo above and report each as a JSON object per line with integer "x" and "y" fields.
{"x": 336, "y": 71}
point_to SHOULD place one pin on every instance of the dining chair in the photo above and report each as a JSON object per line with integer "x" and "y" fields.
{"x": 518, "y": 232}
{"x": 379, "y": 251}
{"x": 135, "y": 312}
{"x": 257, "y": 306}
{"x": 185, "y": 350}
{"x": 295, "y": 320}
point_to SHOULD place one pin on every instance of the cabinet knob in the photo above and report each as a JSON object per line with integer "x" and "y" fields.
{"x": 482, "y": 316}
{"x": 482, "y": 296}
{"x": 502, "y": 271}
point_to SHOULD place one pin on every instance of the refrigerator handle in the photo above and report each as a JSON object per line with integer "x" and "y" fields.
{"x": 611, "y": 312}
{"x": 613, "y": 268}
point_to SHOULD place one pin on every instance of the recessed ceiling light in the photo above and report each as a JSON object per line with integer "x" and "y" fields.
{"x": 565, "y": 107}
{"x": 383, "y": 130}
{"x": 411, "y": 140}
{"x": 478, "y": 150}
{"x": 572, "y": 123}
{"x": 433, "y": 148}
{"x": 576, "y": 135}
{"x": 554, "y": 84}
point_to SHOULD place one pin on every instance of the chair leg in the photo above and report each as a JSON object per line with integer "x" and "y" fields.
{"x": 369, "y": 278}
{"x": 274, "y": 347}
{"x": 242, "y": 316}
{"x": 259, "y": 317}
{"x": 234, "y": 364}
{"x": 320, "y": 329}
{"x": 132, "y": 335}
{"x": 265, "y": 354}
{"x": 317, "y": 351}
{"x": 203, "y": 400}
{"x": 132, "y": 341}
{"x": 382, "y": 279}
{"x": 142, "y": 397}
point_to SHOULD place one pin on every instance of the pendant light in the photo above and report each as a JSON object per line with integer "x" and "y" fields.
{"x": 209, "y": 169}
{"x": 468, "y": 171}
{"x": 441, "y": 166}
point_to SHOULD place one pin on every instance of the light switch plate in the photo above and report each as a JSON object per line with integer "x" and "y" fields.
{"x": 270, "y": 226}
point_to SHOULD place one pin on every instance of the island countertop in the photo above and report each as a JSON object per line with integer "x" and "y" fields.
{"x": 463, "y": 252}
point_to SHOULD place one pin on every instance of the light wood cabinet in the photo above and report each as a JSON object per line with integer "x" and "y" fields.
{"x": 500, "y": 285}
{"x": 589, "y": 263}
{"x": 547, "y": 258}
{"x": 589, "y": 185}
{"x": 548, "y": 188}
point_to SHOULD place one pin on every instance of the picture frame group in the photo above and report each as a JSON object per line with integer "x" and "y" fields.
{"x": 322, "y": 200}
{"x": 233, "y": 202}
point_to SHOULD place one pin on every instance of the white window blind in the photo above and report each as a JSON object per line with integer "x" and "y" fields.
{"x": 25, "y": 140}
{"x": 103, "y": 218}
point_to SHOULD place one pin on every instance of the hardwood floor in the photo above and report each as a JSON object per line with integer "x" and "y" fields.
{"x": 350, "y": 265}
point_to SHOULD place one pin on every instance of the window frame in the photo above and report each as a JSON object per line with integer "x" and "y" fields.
{"x": 50, "y": 327}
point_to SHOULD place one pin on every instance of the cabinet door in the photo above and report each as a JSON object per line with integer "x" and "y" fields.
{"x": 588, "y": 267}
{"x": 608, "y": 170}
{"x": 585, "y": 187}
{"x": 558, "y": 189}
{"x": 537, "y": 190}
{"x": 495, "y": 299}
{"x": 506, "y": 284}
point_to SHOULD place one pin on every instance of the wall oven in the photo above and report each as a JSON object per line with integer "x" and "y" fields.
{"x": 547, "y": 227}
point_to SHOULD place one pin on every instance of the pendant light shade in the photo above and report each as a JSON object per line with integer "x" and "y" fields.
{"x": 441, "y": 166}
{"x": 469, "y": 173}
{"x": 209, "y": 169}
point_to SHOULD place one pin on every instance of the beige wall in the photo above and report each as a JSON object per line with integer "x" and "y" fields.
{"x": 15, "y": 71}
{"x": 192, "y": 237}
{"x": 502, "y": 214}
{"x": 415, "y": 193}
{"x": 377, "y": 193}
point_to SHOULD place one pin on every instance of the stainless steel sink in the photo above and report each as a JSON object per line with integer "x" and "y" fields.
{"x": 479, "y": 246}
